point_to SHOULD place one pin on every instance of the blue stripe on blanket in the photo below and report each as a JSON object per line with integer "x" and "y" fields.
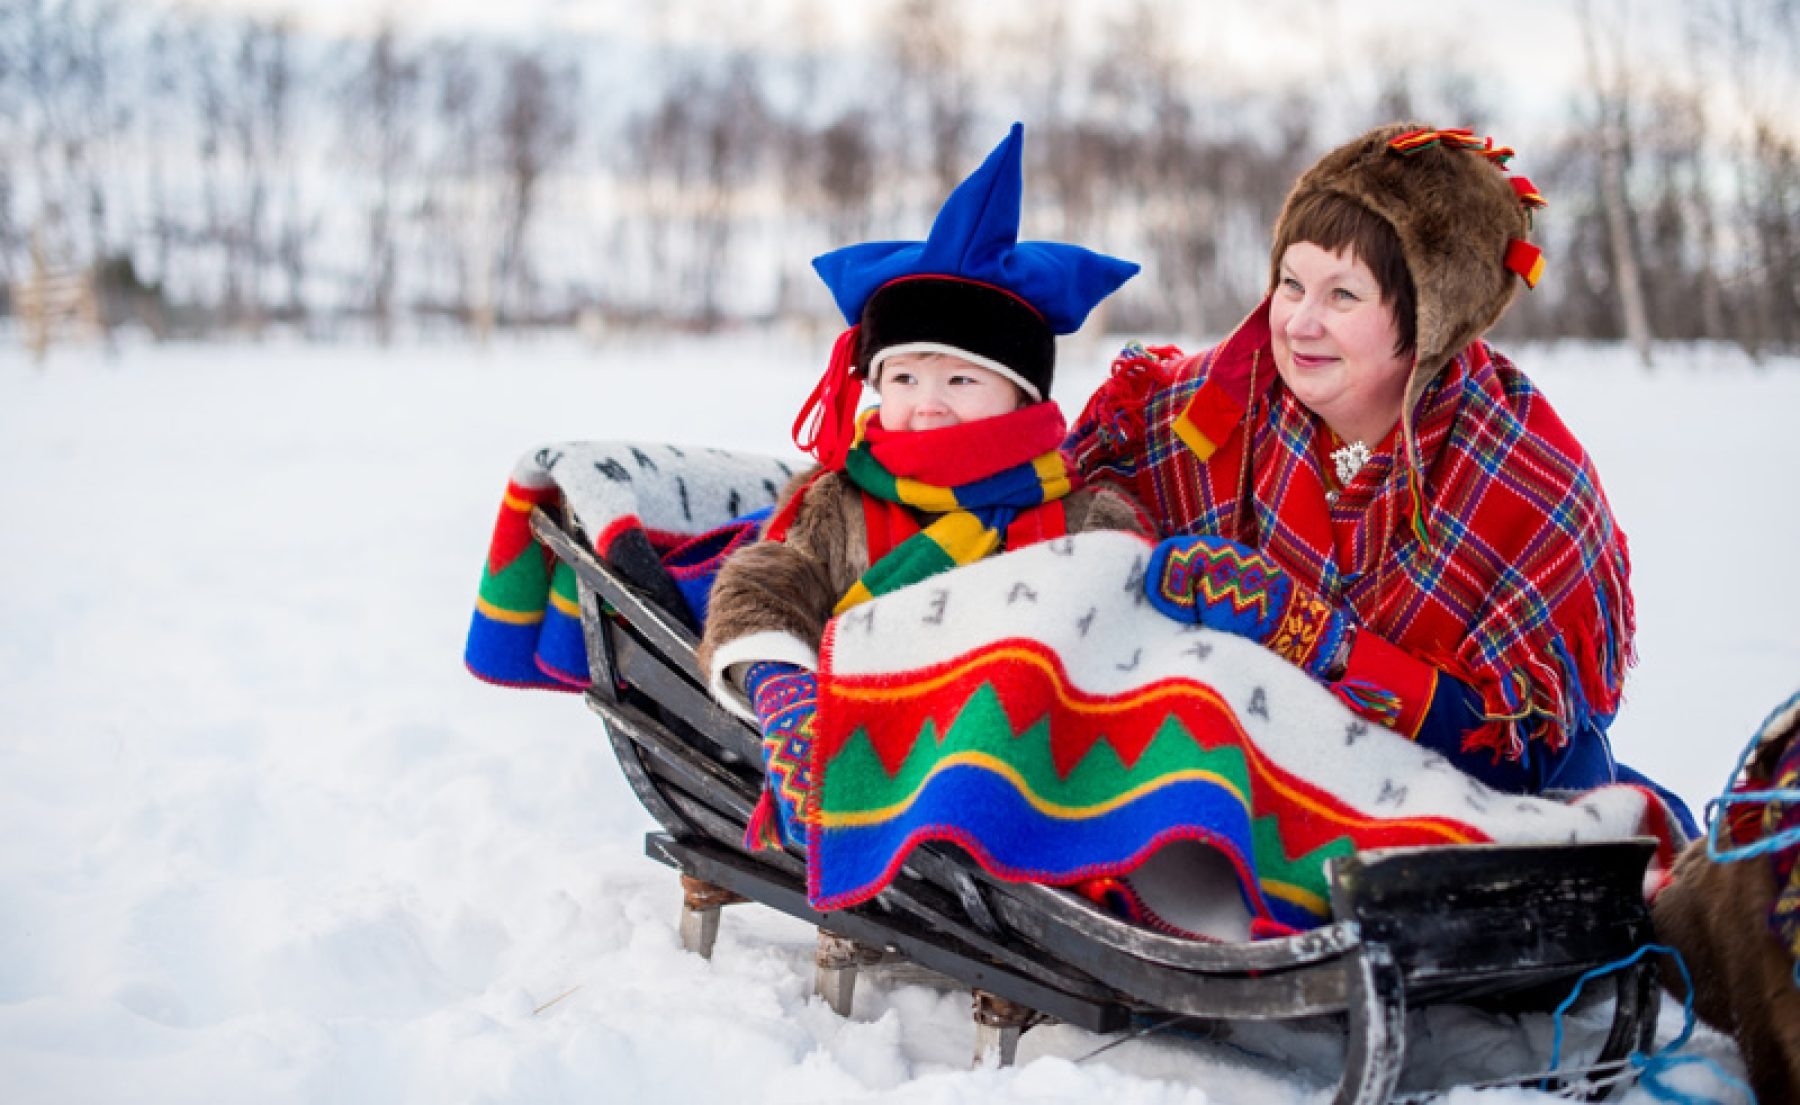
{"x": 985, "y": 813}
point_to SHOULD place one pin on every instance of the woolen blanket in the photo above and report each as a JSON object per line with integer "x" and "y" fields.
{"x": 663, "y": 516}
{"x": 1035, "y": 710}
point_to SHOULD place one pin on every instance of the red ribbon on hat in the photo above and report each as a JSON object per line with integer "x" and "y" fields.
{"x": 826, "y": 424}
{"x": 1525, "y": 259}
{"x": 1521, "y": 256}
{"x": 1460, "y": 138}
{"x": 1527, "y": 192}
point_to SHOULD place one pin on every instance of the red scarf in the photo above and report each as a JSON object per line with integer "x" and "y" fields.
{"x": 952, "y": 456}
{"x": 956, "y": 456}
{"x": 1495, "y": 559}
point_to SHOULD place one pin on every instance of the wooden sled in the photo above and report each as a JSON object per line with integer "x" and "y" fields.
{"x": 1507, "y": 926}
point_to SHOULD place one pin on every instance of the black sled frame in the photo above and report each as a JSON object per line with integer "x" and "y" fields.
{"x": 1507, "y": 926}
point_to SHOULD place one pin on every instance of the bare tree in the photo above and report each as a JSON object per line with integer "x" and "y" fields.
{"x": 1162, "y": 175}
{"x": 1609, "y": 74}
{"x": 458, "y": 210}
{"x": 163, "y": 102}
{"x": 700, "y": 150}
{"x": 1774, "y": 199}
{"x": 1749, "y": 51}
{"x": 12, "y": 140}
{"x": 1679, "y": 241}
{"x": 45, "y": 48}
{"x": 1072, "y": 153}
{"x": 846, "y": 175}
{"x": 292, "y": 223}
{"x": 535, "y": 128}
{"x": 175, "y": 145}
{"x": 379, "y": 105}
{"x": 934, "y": 88}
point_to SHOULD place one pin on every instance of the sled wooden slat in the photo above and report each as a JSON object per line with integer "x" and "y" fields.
{"x": 693, "y": 768}
{"x": 1066, "y": 909}
{"x": 906, "y": 897}
{"x": 722, "y": 868}
{"x": 921, "y": 898}
{"x": 646, "y": 674}
{"x": 1311, "y": 990}
{"x": 649, "y": 790}
{"x": 1512, "y": 924}
{"x": 672, "y": 639}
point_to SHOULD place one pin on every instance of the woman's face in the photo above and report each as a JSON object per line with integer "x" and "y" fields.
{"x": 1334, "y": 340}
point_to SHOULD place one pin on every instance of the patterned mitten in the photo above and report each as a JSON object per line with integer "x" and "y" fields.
{"x": 785, "y": 697}
{"x": 1236, "y": 589}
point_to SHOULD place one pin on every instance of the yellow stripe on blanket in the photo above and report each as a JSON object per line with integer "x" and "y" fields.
{"x": 987, "y": 761}
{"x": 566, "y": 606}
{"x": 1288, "y": 892}
{"x": 510, "y": 617}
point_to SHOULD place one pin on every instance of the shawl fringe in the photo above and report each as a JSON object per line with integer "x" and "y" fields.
{"x": 1564, "y": 681}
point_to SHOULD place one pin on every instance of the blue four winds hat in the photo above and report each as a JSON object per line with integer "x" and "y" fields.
{"x": 971, "y": 288}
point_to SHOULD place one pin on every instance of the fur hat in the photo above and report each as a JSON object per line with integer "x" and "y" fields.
{"x": 1461, "y": 221}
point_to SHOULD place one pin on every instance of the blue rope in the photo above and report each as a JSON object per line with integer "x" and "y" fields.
{"x": 1662, "y": 1091}
{"x": 1664, "y": 1059}
{"x": 1784, "y": 795}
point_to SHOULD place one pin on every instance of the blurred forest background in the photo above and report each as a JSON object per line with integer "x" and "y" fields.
{"x": 206, "y": 171}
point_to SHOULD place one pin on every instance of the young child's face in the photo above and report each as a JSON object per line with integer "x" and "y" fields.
{"x": 926, "y": 391}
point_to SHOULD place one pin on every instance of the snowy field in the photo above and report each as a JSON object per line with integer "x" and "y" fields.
{"x": 266, "y": 841}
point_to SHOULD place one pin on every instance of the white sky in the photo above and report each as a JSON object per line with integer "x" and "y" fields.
{"x": 1535, "y": 41}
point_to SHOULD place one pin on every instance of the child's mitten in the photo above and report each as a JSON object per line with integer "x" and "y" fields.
{"x": 785, "y": 697}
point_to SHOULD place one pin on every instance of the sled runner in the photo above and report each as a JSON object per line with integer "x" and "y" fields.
{"x": 1507, "y": 926}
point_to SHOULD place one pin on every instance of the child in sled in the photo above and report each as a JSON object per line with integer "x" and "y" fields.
{"x": 959, "y": 461}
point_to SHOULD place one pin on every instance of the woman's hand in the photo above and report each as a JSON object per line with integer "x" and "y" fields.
{"x": 1236, "y": 589}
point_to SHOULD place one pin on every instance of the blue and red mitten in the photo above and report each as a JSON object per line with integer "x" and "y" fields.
{"x": 786, "y": 698}
{"x": 1236, "y": 589}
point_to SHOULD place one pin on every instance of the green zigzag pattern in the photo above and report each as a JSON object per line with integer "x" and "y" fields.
{"x": 982, "y": 725}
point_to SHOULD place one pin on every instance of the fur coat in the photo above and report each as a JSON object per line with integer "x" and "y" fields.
{"x": 772, "y": 599}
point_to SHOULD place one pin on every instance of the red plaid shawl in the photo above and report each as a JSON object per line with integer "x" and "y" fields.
{"x": 1512, "y": 577}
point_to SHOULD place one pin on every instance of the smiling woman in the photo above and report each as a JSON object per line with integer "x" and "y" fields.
{"x": 1336, "y": 342}
{"x": 1357, "y": 481}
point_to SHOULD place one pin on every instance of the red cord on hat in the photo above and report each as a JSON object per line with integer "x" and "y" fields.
{"x": 826, "y": 424}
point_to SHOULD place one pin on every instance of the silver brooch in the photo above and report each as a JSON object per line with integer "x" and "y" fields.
{"x": 1350, "y": 460}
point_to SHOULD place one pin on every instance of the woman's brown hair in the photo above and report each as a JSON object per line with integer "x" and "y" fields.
{"x": 1335, "y": 224}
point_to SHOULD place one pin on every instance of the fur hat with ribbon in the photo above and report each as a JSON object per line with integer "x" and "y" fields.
{"x": 971, "y": 288}
{"x": 1461, "y": 220}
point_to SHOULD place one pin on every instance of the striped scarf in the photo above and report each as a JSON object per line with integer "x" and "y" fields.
{"x": 976, "y": 477}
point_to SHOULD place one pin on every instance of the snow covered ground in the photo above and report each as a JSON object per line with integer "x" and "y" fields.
{"x": 266, "y": 841}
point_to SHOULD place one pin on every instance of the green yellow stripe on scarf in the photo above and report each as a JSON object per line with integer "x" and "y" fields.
{"x": 973, "y": 516}
{"x": 957, "y": 538}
